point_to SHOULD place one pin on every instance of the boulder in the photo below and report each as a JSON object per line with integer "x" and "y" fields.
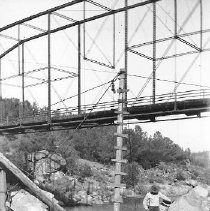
{"x": 24, "y": 201}
{"x": 48, "y": 164}
{"x": 195, "y": 200}
{"x": 41, "y": 154}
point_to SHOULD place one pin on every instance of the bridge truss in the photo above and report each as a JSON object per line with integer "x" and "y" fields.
{"x": 120, "y": 43}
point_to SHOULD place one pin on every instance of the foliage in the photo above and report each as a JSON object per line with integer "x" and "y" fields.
{"x": 132, "y": 177}
{"x": 180, "y": 176}
{"x": 95, "y": 144}
{"x": 85, "y": 171}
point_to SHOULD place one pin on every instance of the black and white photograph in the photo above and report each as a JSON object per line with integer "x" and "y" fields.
{"x": 104, "y": 105}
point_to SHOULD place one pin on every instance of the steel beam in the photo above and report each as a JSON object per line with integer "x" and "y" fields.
{"x": 154, "y": 53}
{"x": 64, "y": 17}
{"x": 140, "y": 54}
{"x": 126, "y": 49}
{"x": 49, "y": 69}
{"x": 175, "y": 45}
{"x": 169, "y": 38}
{"x": 33, "y": 27}
{"x": 99, "y": 63}
{"x": 175, "y": 18}
{"x": 8, "y": 37}
{"x": 114, "y": 41}
{"x": 99, "y": 5}
{"x": 23, "y": 82}
{"x": 70, "y": 25}
{"x": 201, "y": 25}
{"x": 188, "y": 43}
{"x": 19, "y": 50}
{"x": 79, "y": 69}
{"x": 182, "y": 54}
{"x": 46, "y": 12}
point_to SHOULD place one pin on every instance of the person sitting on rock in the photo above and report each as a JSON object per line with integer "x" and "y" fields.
{"x": 152, "y": 199}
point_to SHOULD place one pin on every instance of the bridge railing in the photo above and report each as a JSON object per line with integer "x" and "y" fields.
{"x": 64, "y": 113}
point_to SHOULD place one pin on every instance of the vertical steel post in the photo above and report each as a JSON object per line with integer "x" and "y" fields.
{"x": 126, "y": 47}
{"x": 201, "y": 40}
{"x": 175, "y": 60}
{"x": 201, "y": 25}
{"x": 0, "y": 82}
{"x": 3, "y": 190}
{"x": 154, "y": 52}
{"x": 49, "y": 71}
{"x": 84, "y": 29}
{"x": 19, "y": 50}
{"x": 119, "y": 148}
{"x": 23, "y": 82}
{"x": 114, "y": 41}
{"x": 79, "y": 69}
{"x": 175, "y": 19}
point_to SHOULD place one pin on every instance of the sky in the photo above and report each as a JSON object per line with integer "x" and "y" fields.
{"x": 192, "y": 133}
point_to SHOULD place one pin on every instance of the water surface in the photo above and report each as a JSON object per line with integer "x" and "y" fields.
{"x": 130, "y": 204}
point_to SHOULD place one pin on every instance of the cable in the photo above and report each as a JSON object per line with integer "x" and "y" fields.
{"x": 75, "y": 45}
{"x": 87, "y": 114}
{"x": 111, "y": 94}
{"x": 170, "y": 81}
{"x": 45, "y": 76}
{"x": 83, "y": 92}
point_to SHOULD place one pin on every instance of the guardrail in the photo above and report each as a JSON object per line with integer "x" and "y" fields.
{"x": 64, "y": 113}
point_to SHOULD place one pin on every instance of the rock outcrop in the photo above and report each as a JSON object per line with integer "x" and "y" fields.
{"x": 24, "y": 201}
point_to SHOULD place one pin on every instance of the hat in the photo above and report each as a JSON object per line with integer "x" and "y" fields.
{"x": 154, "y": 189}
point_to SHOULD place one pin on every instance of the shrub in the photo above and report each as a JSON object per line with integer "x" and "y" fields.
{"x": 85, "y": 171}
{"x": 180, "y": 175}
{"x": 132, "y": 177}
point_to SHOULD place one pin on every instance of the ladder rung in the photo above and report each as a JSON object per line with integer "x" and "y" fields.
{"x": 120, "y": 161}
{"x": 120, "y": 123}
{"x": 120, "y": 173}
{"x": 120, "y": 148}
{"x": 121, "y": 135}
{"x": 119, "y": 186}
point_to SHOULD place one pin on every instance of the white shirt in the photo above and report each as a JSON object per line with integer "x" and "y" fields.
{"x": 153, "y": 200}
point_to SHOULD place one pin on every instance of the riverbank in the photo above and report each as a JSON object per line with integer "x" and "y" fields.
{"x": 94, "y": 184}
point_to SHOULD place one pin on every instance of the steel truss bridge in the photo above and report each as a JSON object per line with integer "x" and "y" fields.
{"x": 191, "y": 103}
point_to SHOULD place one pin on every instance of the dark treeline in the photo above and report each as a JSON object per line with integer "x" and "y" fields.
{"x": 97, "y": 144}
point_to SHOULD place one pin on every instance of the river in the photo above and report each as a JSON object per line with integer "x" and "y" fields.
{"x": 130, "y": 204}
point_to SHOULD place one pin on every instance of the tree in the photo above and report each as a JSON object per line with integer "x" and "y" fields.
{"x": 132, "y": 177}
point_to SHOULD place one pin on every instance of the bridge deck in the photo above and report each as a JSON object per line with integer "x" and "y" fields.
{"x": 106, "y": 117}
